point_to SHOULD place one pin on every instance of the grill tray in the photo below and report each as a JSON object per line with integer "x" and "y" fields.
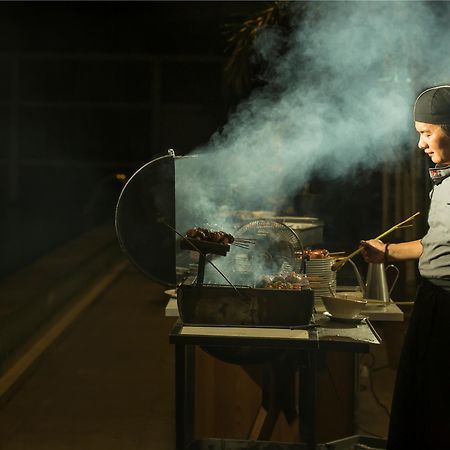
{"x": 221, "y": 305}
{"x": 204, "y": 246}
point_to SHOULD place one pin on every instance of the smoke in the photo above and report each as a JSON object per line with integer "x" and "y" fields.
{"x": 338, "y": 96}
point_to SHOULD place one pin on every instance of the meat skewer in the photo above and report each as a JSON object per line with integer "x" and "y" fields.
{"x": 194, "y": 247}
{"x": 237, "y": 244}
{"x": 204, "y": 234}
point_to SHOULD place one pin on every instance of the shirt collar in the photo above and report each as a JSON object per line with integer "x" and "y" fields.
{"x": 438, "y": 174}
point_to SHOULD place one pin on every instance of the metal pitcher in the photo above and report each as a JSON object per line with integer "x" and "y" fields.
{"x": 376, "y": 282}
{"x": 376, "y": 286}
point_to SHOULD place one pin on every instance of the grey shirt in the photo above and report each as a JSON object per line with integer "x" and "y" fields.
{"x": 434, "y": 263}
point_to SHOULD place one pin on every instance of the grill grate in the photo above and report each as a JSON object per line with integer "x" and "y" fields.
{"x": 273, "y": 251}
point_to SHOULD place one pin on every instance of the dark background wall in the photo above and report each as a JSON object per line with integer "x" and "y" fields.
{"x": 89, "y": 90}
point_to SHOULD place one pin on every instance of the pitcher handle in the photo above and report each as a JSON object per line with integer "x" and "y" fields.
{"x": 396, "y": 276}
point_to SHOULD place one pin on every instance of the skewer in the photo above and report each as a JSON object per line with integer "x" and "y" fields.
{"x": 336, "y": 253}
{"x": 340, "y": 263}
{"x": 382, "y": 302}
{"x": 245, "y": 241}
{"x": 161, "y": 220}
{"x": 237, "y": 244}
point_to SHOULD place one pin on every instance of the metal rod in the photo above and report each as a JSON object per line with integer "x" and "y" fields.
{"x": 202, "y": 254}
{"x": 240, "y": 245}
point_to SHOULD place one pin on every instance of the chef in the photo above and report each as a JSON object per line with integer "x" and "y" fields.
{"x": 420, "y": 413}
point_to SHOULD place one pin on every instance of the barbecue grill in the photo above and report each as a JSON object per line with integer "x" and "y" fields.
{"x": 225, "y": 289}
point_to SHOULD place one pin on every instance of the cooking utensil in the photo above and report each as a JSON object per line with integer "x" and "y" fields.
{"x": 341, "y": 261}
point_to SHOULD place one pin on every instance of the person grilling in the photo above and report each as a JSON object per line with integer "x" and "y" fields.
{"x": 420, "y": 412}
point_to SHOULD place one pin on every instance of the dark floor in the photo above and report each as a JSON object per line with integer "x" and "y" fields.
{"x": 108, "y": 381}
{"x": 374, "y": 397}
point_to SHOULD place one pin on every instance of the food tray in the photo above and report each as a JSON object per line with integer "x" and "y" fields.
{"x": 308, "y": 229}
{"x": 204, "y": 246}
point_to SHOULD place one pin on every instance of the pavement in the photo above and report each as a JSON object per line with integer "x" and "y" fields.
{"x": 99, "y": 374}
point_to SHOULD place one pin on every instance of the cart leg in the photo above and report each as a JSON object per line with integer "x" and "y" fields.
{"x": 307, "y": 399}
{"x": 184, "y": 395}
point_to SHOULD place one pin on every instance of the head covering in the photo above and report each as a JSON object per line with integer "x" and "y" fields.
{"x": 433, "y": 106}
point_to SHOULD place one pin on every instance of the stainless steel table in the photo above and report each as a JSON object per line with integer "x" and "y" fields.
{"x": 303, "y": 345}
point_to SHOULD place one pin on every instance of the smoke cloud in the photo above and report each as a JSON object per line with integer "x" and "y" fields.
{"x": 340, "y": 97}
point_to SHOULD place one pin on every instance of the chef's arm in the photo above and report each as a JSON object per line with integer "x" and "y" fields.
{"x": 375, "y": 251}
{"x": 403, "y": 251}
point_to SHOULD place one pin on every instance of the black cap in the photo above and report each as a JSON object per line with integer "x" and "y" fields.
{"x": 433, "y": 106}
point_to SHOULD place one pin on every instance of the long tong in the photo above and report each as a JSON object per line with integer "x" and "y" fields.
{"x": 340, "y": 262}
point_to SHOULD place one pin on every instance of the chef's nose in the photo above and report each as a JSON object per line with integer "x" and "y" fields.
{"x": 422, "y": 144}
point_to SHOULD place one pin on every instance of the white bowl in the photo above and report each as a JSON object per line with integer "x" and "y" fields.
{"x": 343, "y": 307}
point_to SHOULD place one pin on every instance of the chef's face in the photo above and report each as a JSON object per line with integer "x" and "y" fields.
{"x": 434, "y": 142}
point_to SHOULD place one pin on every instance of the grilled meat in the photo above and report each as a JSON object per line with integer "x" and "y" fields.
{"x": 291, "y": 280}
{"x": 319, "y": 253}
{"x": 204, "y": 234}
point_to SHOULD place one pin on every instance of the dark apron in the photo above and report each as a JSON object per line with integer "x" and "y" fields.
{"x": 420, "y": 414}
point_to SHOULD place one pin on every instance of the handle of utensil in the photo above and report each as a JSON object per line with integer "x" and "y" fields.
{"x": 396, "y": 276}
{"x": 338, "y": 264}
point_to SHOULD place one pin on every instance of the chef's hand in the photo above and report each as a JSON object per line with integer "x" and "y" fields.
{"x": 373, "y": 251}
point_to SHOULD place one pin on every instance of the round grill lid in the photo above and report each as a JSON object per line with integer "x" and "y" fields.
{"x": 145, "y": 212}
{"x": 274, "y": 249}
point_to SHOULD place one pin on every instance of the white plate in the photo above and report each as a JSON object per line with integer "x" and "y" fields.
{"x": 319, "y": 265}
{"x": 356, "y": 319}
{"x": 320, "y": 275}
{"x": 324, "y": 265}
{"x": 319, "y": 260}
{"x": 171, "y": 292}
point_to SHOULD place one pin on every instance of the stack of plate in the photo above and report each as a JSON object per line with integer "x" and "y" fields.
{"x": 321, "y": 277}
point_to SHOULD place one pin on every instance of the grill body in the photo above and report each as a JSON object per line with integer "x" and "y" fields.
{"x": 245, "y": 306}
